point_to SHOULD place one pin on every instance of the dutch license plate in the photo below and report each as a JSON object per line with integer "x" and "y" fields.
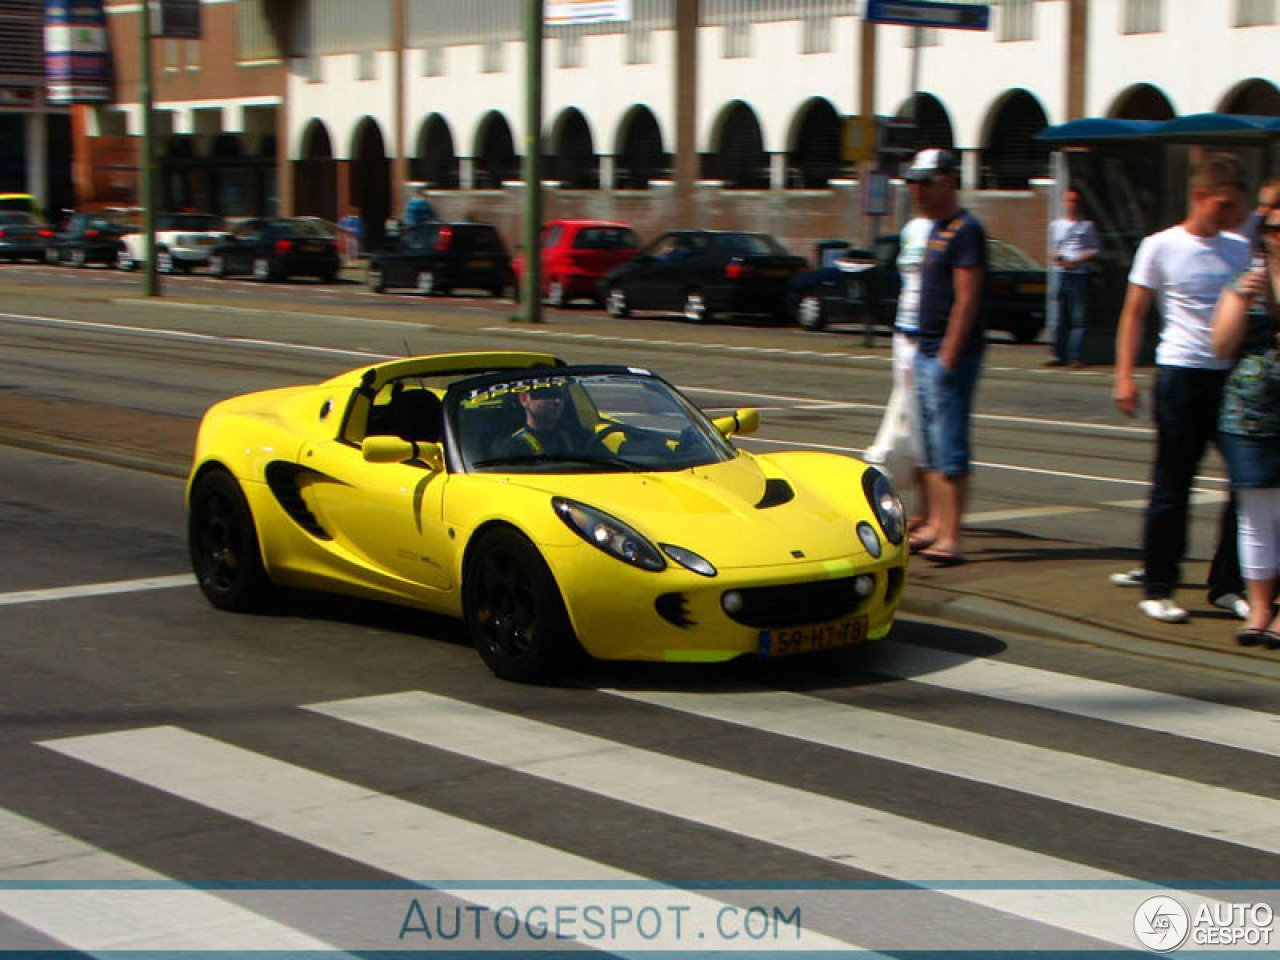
{"x": 479, "y": 264}
{"x": 788, "y": 641}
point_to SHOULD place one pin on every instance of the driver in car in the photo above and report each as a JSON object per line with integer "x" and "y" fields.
{"x": 546, "y": 431}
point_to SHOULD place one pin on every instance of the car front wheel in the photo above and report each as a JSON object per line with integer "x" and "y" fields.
{"x": 555, "y": 293}
{"x": 78, "y": 258}
{"x": 218, "y": 266}
{"x": 616, "y": 302}
{"x": 810, "y": 313}
{"x": 223, "y": 544}
{"x": 125, "y": 262}
{"x": 164, "y": 262}
{"x": 513, "y": 610}
{"x": 262, "y": 269}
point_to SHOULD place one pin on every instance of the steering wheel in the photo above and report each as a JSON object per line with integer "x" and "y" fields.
{"x": 597, "y": 444}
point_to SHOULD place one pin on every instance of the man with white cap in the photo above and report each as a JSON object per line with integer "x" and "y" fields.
{"x": 951, "y": 343}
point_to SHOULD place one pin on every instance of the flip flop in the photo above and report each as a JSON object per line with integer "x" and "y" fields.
{"x": 1253, "y": 637}
{"x": 917, "y": 542}
{"x": 949, "y": 558}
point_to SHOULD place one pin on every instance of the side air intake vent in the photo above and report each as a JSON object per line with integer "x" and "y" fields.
{"x": 776, "y": 492}
{"x": 283, "y": 478}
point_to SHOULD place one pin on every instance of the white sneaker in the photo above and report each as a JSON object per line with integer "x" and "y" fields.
{"x": 1234, "y": 603}
{"x": 1130, "y": 578}
{"x": 1164, "y": 610}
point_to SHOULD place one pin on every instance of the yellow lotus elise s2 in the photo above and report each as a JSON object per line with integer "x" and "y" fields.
{"x": 554, "y": 508}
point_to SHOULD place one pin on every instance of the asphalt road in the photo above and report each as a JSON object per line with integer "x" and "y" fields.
{"x": 179, "y": 778}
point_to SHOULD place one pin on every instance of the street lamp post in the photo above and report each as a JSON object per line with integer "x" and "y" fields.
{"x": 531, "y": 285}
{"x": 150, "y": 281}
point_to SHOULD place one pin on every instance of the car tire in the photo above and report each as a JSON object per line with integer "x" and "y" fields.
{"x": 375, "y": 279}
{"x": 78, "y": 258}
{"x": 51, "y": 255}
{"x": 513, "y": 610}
{"x": 1027, "y": 331}
{"x": 426, "y": 283}
{"x": 696, "y": 309}
{"x": 615, "y": 302}
{"x": 223, "y": 544}
{"x": 262, "y": 270}
{"x": 328, "y": 276}
{"x": 164, "y": 262}
{"x": 810, "y": 313}
{"x": 555, "y": 294}
{"x": 125, "y": 262}
{"x": 218, "y": 267}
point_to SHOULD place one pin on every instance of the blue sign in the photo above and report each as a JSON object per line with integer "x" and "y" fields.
{"x": 929, "y": 13}
{"x": 77, "y": 51}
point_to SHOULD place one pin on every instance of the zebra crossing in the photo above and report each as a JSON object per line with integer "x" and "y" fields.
{"x": 868, "y": 830}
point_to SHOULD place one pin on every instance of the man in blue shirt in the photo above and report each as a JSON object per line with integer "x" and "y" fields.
{"x": 951, "y": 344}
{"x": 1073, "y": 242}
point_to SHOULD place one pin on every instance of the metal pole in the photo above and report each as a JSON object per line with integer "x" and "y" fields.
{"x": 531, "y": 288}
{"x": 150, "y": 282}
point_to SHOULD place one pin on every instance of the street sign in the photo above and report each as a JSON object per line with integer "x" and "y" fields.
{"x": 859, "y": 142}
{"x": 928, "y": 13}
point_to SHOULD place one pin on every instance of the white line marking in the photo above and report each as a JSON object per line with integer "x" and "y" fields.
{"x": 250, "y": 311}
{"x": 98, "y": 589}
{"x": 1026, "y": 513}
{"x": 1207, "y": 811}
{"x": 393, "y": 835}
{"x": 870, "y": 839}
{"x": 112, "y": 919}
{"x": 1148, "y": 710}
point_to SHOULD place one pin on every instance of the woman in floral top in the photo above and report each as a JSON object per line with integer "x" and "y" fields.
{"x": 1247, "y": 325}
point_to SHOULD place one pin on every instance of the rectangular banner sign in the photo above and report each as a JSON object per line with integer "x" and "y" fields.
{"x": 928, "y": 13}
{"x": 77, "y": 52}
{"x": 561, "y": 13}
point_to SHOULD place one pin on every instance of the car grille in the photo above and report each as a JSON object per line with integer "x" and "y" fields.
{"x": 793, "y": 604}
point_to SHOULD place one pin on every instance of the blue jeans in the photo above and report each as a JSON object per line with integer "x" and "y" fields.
{"x": 946, "y": 402}
{"x": 1072, "y": 294}
{"x": 1186, "y": 414}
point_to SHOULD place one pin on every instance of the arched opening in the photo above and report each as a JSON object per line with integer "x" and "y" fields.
{"x": 640, "y": 156}
{"x": 315, "y": 176}
{"x": 1142, "y": 101}
{"x": 924, "y": 122}
{"x": 739, "y": 160}
{"x": 574, "y": 162}
{"x": 436, "y": 163}
{"x": 370, "y": 182}
{"x": 495, "y": 154}
{"x": 1253, "y": 98}
{"x": 1011, "y": 156}
{"x": 817, "y": 147}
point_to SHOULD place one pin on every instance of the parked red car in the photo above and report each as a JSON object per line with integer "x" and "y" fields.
{"x": 576, "y": 254}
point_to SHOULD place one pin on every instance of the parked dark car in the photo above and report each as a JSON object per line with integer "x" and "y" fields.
{"x": 277, "y": 249}
{"x": 703, "y": 273}
{"x": 23, "y": 237}
{"x": 1013, "y": 298}
{"x": 437, "y": 258}
{"x": 89, "y": 238}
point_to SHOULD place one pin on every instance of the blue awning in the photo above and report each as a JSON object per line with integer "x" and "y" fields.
{"x": 1193, "y": 127}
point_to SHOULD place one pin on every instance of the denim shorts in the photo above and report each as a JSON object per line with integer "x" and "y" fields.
{"x": 946, "y": 401}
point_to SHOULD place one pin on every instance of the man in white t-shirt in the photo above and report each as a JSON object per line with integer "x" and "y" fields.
{"x": 1182, "y": 270}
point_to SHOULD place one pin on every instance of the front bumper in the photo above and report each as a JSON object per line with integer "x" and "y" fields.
{"x": 623, "y": 613}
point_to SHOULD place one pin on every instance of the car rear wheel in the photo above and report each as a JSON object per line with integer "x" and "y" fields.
{"x": 810, "y": 313}
{"x": 426, "y": 283}
{"x": 616, "y": 302}
{"x": 513, "y": 610}
{"x": 164, "y": 262}
{"x": 218, "y": 266}
{"x": 124, "y": 261}
{"x": 374, "y": 278}
{"x": 224, "y": 544}
{"x": 1026, "y": 331}
{"x": 78, "y": 258}
{"x": 51, "y": 255}
{"x": 262, "y": 269}
{"x": 695, "y": 307}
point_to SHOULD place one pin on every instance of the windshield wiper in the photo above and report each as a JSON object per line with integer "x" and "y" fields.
{"x": 556, "y": 458}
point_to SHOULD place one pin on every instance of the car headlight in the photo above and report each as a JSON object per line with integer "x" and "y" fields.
{"x": 885, "y": 504}
{"x": 689, "y": 560}
{"x": 608, "y": 534}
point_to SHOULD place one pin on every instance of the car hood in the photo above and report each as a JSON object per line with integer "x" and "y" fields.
{"x": 745, "y": 512}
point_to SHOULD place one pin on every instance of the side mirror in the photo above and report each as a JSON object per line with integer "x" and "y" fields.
{"x": 746, "y": 420}
{"x": 394, "y": 450}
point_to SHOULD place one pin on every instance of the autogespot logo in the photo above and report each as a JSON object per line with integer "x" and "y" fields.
{"x": 1161, "y": 924}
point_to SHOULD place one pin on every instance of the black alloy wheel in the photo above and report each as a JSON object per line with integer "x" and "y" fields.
{"x": 223, "y": 543}
{"x": 513, "y": 610}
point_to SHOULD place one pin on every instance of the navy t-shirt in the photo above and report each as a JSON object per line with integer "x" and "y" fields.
{"x": 956, "y": 241}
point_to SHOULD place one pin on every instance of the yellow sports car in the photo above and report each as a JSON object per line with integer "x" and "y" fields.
{"x": 554, "y": 508}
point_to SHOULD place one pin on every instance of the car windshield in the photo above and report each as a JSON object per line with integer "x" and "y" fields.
{"x": 749, "y": 245}
{"x": 304, "y": 228}
{"x": 1005, "y": 256}
{"x": 192, "y": 222}
{"x": 579, "y": 422}
{"x": 606, "y": 238}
